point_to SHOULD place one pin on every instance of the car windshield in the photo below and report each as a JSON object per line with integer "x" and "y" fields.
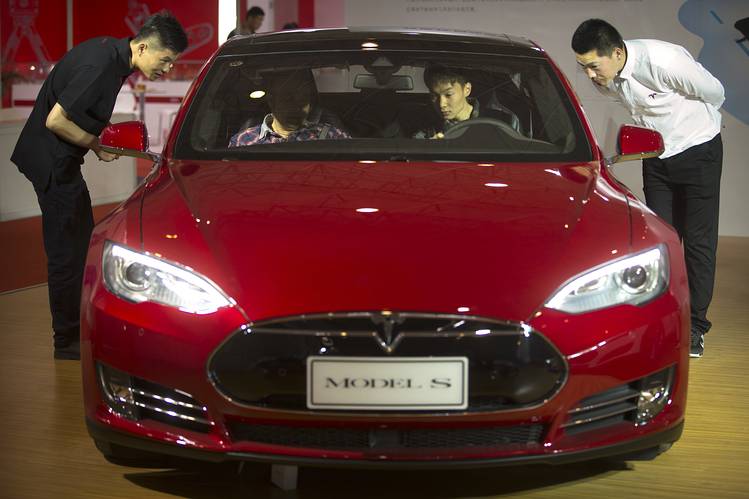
{"x": 393, "y": 105}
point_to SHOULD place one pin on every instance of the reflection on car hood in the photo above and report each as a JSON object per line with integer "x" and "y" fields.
{"x": 285, "y": 238}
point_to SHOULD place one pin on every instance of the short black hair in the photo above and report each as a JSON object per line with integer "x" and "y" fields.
{"x": 437, "y": 73}
{"x": 291, "y": 25}
{"x": 297, "y": 80}
{"x": 167, "y": 29}
{"x": 295, "y": 84}
{"x": 598, "y": 35}
{"x": 254, "y": 12}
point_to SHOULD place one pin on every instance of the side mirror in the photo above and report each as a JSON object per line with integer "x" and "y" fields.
{"x": 636, "y": 142}
{"x": 129, "y": 138}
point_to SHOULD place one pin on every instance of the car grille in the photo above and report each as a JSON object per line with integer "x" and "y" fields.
{"x": 511, "y": 366}
{"x": 386, "y": 439}
{"x": 603, "y": 409}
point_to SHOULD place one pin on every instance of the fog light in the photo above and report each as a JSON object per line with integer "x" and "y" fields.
{"x": 654, "y": 393}
{"x": 118, "y": 391}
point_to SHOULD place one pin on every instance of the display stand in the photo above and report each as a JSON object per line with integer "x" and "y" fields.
{"x": 284, "y": 477}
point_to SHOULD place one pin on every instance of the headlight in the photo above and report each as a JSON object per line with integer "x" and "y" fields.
{"x": 633, "y": 280}
{"x": 139, "y": 277}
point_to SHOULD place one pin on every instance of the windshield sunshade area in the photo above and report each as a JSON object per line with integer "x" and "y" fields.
{"x": 392, "y": 105}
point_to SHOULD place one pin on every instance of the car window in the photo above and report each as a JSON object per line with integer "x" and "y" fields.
{"x": 377, "y": 105}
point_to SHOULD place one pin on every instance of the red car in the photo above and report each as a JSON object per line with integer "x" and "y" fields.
{"x": 326, "y": 267}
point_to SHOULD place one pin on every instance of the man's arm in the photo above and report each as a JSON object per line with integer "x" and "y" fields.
{"x": 690, "y": 78}
{"x": 60, "y": 124}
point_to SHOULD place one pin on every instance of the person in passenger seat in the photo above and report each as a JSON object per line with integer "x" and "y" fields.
{"x": 450, "y": 91}
{"x": 290, "y": 96}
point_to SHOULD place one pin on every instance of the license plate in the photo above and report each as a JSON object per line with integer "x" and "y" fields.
{"x": 394, "y": 384}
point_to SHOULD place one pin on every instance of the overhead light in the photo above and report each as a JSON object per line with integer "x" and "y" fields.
{"x": 495, "y": 184}
{"x": 257, "y": 94}
{"x": 370, "y": 45}
{"x": 367, "y": 210}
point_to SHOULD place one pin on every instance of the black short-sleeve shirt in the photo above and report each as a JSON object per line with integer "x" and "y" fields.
{"x": 85, "y": 83}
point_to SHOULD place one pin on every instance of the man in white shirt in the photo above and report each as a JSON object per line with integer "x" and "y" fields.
{"x": 665, "y": 89}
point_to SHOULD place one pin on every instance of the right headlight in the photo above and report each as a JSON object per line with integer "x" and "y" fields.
{"x": 634, "y": 280}
{"x": 140, "y": 277}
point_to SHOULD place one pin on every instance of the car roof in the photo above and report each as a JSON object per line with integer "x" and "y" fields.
{"x": 306, "y": 40}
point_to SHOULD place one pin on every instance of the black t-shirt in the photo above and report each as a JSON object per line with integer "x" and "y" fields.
{"x": 85, "y": 83}
{"x": 494, "y": 110}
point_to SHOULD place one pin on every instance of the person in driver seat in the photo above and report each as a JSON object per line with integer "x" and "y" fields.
{"x": 290, "y": 96}
{"x": 450, "y": 91}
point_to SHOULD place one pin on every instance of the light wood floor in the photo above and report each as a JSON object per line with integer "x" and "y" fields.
{"x": 45, "y": 451}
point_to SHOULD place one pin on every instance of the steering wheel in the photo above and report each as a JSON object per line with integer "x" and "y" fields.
{"x": 459, "y": 129}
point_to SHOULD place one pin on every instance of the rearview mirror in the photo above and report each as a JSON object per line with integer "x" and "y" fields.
{"x": 393, "y": 82}
{"x": 129, "y": 138}
{"x": 636, "y": 142}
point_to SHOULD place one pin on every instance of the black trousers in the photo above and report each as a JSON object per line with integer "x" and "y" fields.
{"x": 684, "y": 190}
{"x": 67, "y": 222}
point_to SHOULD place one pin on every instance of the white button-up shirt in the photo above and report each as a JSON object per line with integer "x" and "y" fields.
{"x": 665, "y": 89}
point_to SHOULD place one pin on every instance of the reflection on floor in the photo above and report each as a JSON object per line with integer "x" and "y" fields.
{"x": 45, "y": 451}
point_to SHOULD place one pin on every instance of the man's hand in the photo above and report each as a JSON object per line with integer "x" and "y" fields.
{"x": 104, "y": 155}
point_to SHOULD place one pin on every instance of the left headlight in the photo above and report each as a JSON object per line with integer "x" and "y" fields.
{"x": 634, "y": 280}
{"x": 139, "y": 277}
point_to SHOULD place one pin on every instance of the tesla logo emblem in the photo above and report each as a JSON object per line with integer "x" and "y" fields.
{"x": 386, "y": 334}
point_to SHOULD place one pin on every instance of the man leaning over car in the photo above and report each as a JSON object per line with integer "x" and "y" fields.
{"x": 665, "y": 89}
{"x": 74, "y": 105}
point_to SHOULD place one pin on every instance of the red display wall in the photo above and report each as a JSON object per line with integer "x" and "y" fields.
{"x": 33, "y": 31}
{"x": 123, "y": 18}
{"x": 34, "y": 35}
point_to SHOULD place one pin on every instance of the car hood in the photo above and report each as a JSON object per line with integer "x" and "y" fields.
{"x": 287, "y": 238}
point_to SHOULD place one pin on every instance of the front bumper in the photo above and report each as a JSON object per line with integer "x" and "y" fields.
{"x": 623, "y": 449}
{"x": 602, "y": 373}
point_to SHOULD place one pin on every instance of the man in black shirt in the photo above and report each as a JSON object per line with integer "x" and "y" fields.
{"x": 74, "y": 105}
{"x": 450, "y": 91}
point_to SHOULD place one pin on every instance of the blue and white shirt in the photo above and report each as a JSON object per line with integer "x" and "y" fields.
{"x": 264, "y": 134}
